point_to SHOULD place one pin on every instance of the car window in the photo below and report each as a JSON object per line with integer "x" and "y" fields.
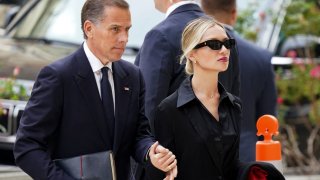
{"x": 59, "y": 20}
{"x": 53, "y": 20}
{"x": 4, "y": 8}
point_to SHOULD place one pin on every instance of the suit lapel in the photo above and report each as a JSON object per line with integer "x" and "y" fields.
{"x": 123, "y": 90}
{"x": 88, "y": 87}
{"x": 194, "y": 116}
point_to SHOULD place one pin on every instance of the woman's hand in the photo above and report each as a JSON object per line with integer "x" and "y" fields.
{"x": 164, "y": 160}
{"x": 170, "y": 175}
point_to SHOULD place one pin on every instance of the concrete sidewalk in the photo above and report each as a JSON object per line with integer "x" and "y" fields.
{"x": 302, "y": 177}
{"x": 12, "y": 173}
{"x": 14, "y": 176}
{"x": 23, "y": 176}
{"x": 15, "y": 173}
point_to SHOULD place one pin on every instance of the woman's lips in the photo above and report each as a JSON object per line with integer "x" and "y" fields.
{"x": 223, "y": 59}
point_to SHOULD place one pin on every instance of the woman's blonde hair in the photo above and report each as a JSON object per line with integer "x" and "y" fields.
{"x": 192, "y": 35}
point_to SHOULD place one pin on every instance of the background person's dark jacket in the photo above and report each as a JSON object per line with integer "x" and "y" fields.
{"x": 257, "y": 92}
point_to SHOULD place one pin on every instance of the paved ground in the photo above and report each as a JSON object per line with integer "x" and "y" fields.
{"x": 14, "y": 173}
{"x": 311, "y": 177}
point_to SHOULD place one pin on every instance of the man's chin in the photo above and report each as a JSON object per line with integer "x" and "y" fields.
{"x": 115, "y": 59}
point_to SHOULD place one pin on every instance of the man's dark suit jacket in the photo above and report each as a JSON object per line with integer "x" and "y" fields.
{"x": 64, "y": 118}
{"x": 159, "y": 57}
{"x": 257, "y": 92}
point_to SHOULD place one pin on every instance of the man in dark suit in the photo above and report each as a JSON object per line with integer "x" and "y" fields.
{"x": 159, "y": 55}
{"x": 68, "y": 113}
{"x": 258, "y": 91}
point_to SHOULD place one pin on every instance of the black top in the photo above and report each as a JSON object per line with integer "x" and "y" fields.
{"x": 204, "y": 147}
{"x": 223, "y": 132}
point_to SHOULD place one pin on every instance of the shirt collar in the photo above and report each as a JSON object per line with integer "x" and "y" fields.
{"x": 176, "y": 5}
{"x": 227, "y": 26}
{"x": 186, "y": 94}
{"x": 95, "y": 63}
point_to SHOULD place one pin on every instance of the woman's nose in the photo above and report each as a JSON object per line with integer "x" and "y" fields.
{"x": 224, "y": 50}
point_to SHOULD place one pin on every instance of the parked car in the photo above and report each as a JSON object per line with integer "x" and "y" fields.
{"x": 267, "y": 20}
{"x": 42, "y": 32}
{"x": 8, "y": 9}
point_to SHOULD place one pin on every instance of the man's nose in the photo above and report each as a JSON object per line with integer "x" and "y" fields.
{"x": 124, "y": 36}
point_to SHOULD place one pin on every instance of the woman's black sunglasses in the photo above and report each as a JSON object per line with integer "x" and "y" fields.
{"x": 216, "y": 44}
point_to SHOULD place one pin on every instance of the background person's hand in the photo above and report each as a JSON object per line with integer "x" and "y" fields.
{"x": 162, "y": 158}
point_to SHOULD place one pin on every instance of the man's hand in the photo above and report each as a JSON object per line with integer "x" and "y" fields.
{"x": 164, "y": 160}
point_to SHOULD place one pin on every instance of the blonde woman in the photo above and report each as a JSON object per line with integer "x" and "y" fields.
{"x": 200, "y": 121}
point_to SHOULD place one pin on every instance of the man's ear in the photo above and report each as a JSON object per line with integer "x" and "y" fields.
{"x": 88, "y": 28}
{"x": 234, "y": 14}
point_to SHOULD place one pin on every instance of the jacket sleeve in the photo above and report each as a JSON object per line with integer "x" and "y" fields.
{"x": 156, "y": 61}
{"x": 267, "y": 102}
{"x": 234, "y": 56}
{"x": 144, "y": 139}
{"x": 231, "y": 77}
{"x": 164, "y": 134}
{"x": 37, "y": 127}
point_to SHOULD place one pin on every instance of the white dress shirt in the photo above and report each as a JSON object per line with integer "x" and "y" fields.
{"x": 96, "y": 66}
{"x": 176, "y": 5}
